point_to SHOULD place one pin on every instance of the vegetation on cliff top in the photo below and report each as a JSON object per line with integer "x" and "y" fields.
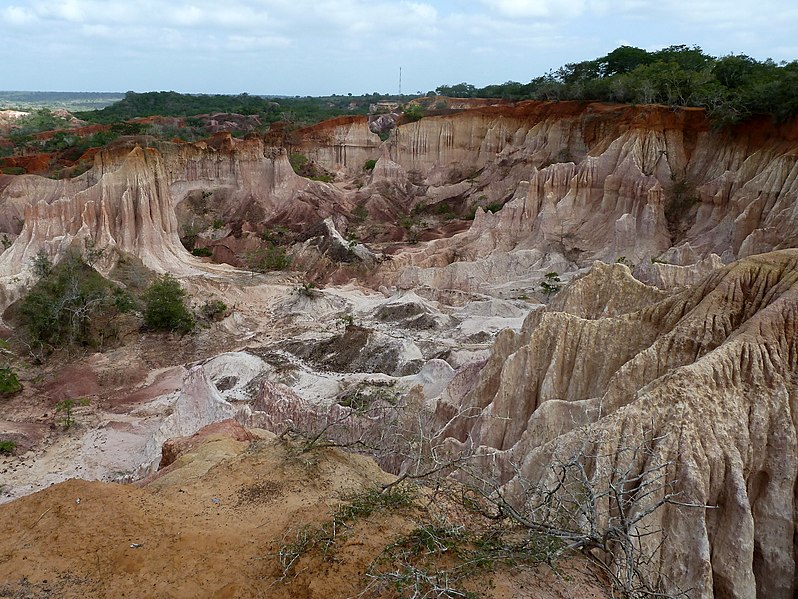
{"x": 300, "y": 110}
{"x": 731, "y": 88}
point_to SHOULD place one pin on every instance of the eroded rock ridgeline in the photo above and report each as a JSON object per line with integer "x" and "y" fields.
{"x": 705, "y": 379}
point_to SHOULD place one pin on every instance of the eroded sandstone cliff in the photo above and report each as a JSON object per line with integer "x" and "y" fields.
{"x": 592, "y": 181}
{"x": 705, "y": 379}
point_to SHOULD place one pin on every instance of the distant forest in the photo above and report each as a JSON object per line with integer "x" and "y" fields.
{"x": 731, "y": 88}
{"x": 69, "y": 100}
{"x": 300, "y": 110}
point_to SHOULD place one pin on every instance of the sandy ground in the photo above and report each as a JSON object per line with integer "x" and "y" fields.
{"x": 210, "y": 524}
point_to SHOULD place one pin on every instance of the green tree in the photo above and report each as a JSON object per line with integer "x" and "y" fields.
{"x": 67, "y": 408}
{"x": 413, "y": 112}
{"x": 623, "y": 59}
{"x": 71, "y": 304}
{"x": 165, "y": 308}
{"x": 550, "y": 284}
{"x": 9, "y": 381}
{"x": 461, "y": 90}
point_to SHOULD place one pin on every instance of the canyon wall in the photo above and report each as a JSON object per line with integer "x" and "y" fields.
{"x": 126, "y": 208}
{"x": 700, "y": 385}
{"x": 600, "y": 181}
{"x": 578, "y": 182}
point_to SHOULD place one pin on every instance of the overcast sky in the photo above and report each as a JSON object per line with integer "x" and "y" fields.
{"x": 320, "y": 47}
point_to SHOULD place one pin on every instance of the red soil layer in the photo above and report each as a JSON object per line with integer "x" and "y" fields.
{"x": 32, "y": 163}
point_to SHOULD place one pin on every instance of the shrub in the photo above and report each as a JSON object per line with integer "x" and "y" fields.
{"x": 308, "y": 289}
{"x": 7, "y": 446}
{"x": 298, "y": 162}
{"x": 304, "y": 167}
{"x": 327, "y": 536}
{"x": 407, "y": 222}
{"x": 71, "y": 304}
{"x": 213, "y": 310}
{"x": 550, "y": 284}
{"x": 445, "y": 211}
{"x": 202, "y": 252}
{"x": 369, "y": 165}
{"x": 276, "y": 235}
{"x": 67, "y": 408}
{"x": 272, "y": 257}
{"x": 165, "y": 308}
{"x": 360, "y": 212}
{"x": 9, "y": 382}
{"x": 189, "y": 236}
{"x": 624, "y": 260}
{"x": 42, "y": 265}
{"x": 13, "y": 170}
{"x": 414, "y": 112}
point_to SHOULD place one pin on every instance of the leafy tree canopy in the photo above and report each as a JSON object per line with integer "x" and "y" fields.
{"x": 165, "y": 308}
{"x": 731, "y": 88}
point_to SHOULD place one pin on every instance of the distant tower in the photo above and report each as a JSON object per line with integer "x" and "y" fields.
{"x": 400, "y": 81}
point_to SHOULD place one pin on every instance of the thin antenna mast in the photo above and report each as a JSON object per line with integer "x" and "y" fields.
{"x": 400, "y": 81}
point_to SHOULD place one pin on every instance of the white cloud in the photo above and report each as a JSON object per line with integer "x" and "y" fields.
{"x": 526, "y": 9}
{"x": 249, "y": 43}
{"x": 18, "y": 15}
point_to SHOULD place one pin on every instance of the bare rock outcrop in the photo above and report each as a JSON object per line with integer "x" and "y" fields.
{"x": 704, "y": 378}
{"x": 126, "y": 209}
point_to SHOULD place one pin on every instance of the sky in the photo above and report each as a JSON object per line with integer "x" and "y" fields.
{"x": 322, "y": 47}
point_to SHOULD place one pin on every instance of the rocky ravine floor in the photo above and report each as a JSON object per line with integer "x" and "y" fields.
{"x": 315, "y": 348}
{"x": 610, "y": 362}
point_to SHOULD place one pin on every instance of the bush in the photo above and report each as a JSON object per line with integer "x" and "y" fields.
{"x": 550, "y": 284}
{"x": 369, "y": 165}
{"x": 214, "y": 310}
{"x": 308, "y": 289}
{"x": 272, "y": 257}
{"x": 42, "y": 265}
{"x": 7, "y": 447}
{"x": 165, "y": 308}
{"x": 414, "y": 112}
{"x": 304, "y": 167}
{"x": 298, "y": 162}
{"x": 360, "y": 212}
{"x": 202, "y": 252}
{"x": 9, "y": 382}
{"x": 67, "y": 407}
{"x": 625, "y": 261}
{"x": 71, "y": 304}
